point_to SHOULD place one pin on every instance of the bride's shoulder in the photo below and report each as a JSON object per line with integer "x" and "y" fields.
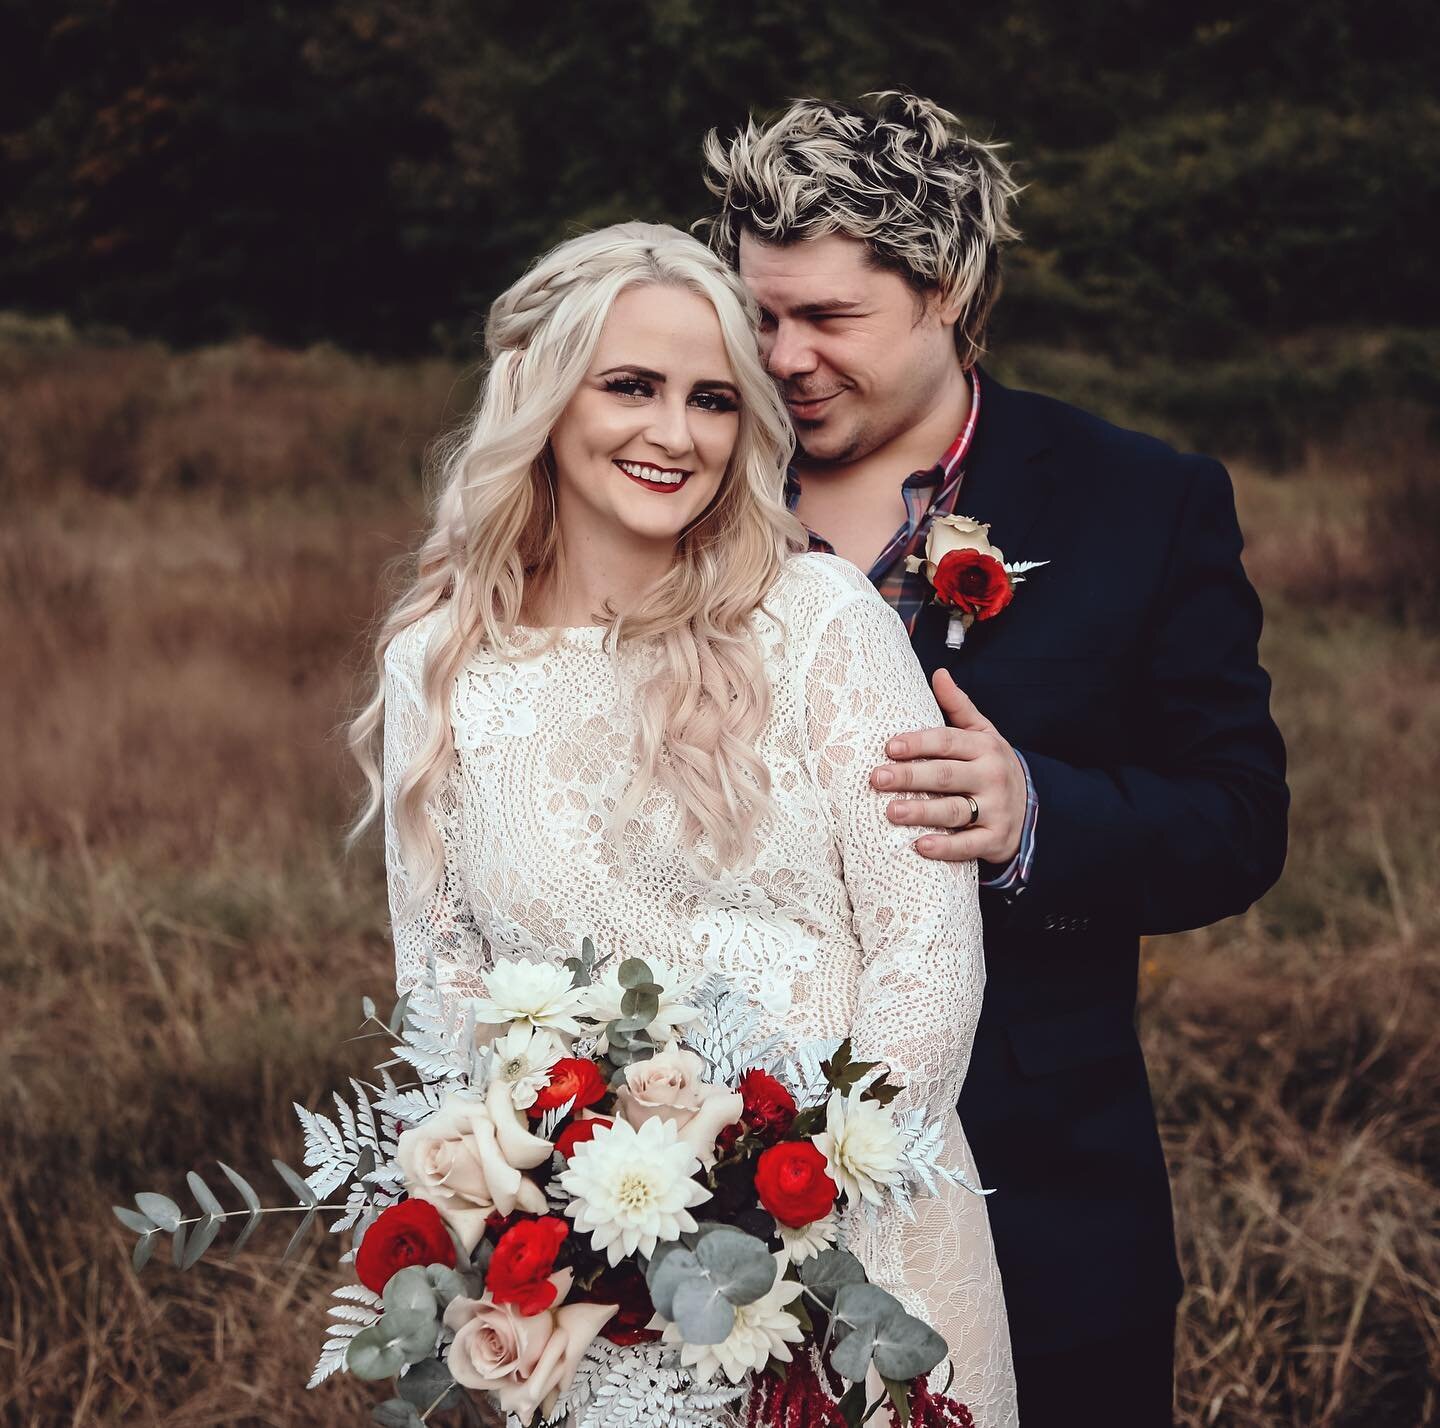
{"x": 810, "y": 579}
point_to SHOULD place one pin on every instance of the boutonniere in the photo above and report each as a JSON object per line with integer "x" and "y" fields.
{"x": 970, "y": 576}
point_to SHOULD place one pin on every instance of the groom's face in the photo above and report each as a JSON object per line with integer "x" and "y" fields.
{"x": 859, "y": 355}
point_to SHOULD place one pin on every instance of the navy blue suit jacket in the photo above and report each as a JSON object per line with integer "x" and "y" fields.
{"x": 1126, "y": 672}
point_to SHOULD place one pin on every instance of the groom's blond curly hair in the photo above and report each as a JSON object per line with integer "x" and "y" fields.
{"x": 900, "y": 174}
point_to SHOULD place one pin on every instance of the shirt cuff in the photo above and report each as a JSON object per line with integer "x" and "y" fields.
{"x": 1013, "y": 878}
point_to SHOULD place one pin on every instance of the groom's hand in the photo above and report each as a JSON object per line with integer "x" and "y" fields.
{"x": 969, "y": 757}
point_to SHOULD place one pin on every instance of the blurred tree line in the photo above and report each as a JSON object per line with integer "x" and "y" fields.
{"x": 1204, "y": 175}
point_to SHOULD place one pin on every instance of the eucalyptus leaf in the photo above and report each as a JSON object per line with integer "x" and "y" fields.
{"x": 244, "y": 1234}
{"x": 906, "y": 1347}
{"x": 416, "y": 1331}
{"x": 634, "y": 973}
{"x": 367, "y": 1008}
{"x": 397, "y": 1016}
{"x": 827, "y": 1273}
{"x": 144, "y": 1248}
{"x": 375, "y": 1353}
{"x": 296, "y": 1183}
{"x": 447, "y": 1284}
{"x": 666, "y": 1275}
{"x": 300, "y": 1232}
{"x": 177, "y": 1247}
{"x": 365, "y": 1165}
{"x": 409, "y": 1288}
{"x": 850, "y": 1357}
{"x": 247, "y": 1193}
{"x": 161, "y": 1209}
{"x": 202, "y": 1236}
{"x": 640, "y": 1004}
{"x": 133, "y": 1219}
{"x": 203, "y": 1197}
{"x": 424, "y": 1382}
{"x": 703, "y": 1314}
{"x": 396, "y": 1413}
{"x": 858, "y": 1304}
{"x": 742, "y": 1269}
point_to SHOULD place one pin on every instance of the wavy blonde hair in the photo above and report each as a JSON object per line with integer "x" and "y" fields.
{"x": 493, "y": 537}
{"x": 900, "y": 175}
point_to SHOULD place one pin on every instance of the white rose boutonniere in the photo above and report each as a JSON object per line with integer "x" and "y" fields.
{"x": 969, "y": 575}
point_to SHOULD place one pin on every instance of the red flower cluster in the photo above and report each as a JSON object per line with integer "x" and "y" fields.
{"x": 624, "y": 1285}
{"x": 411, "y": 1232}
{"x": 523, "y": 1261}
{"x": 793, "y": 1183}
{"x": 571, "y": 1078}
{"x": 769, "y": 1111}
{"x": 973, "y": 583}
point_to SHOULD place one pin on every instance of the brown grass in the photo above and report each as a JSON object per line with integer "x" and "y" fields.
{"x": 183, "y": 594}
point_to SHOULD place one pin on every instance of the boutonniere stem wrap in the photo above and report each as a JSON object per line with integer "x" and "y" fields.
{"x": 970, "y": 576}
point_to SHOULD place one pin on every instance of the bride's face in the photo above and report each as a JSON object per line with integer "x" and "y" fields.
{"x": 642, "y": 447}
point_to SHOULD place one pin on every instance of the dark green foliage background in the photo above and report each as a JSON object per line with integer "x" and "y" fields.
{"x": 1204, "y": 175}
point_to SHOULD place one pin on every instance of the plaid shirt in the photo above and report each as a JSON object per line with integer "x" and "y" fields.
{"x": 927, "y": 494}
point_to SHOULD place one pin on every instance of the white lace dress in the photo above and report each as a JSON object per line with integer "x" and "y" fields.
{"x": 836, "y": 926}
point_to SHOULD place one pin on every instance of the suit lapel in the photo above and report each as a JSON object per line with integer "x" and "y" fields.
{"x": 1010, "y": 481}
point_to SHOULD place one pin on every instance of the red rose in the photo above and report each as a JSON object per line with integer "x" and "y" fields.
{"x": 522, "y": 1263}
{"x": 411, "y": 1232}
{"x": 793, "y": 1183}
{"x": 769, "y": 1107}
{"x": 577, "y": 1132}
{"x": 571, "y": 1077}
{"x": 973, "y": 583}
{"x": 624, "y": 1285}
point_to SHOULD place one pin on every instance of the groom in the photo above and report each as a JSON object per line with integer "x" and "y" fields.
{"x": 1110, "y": 759}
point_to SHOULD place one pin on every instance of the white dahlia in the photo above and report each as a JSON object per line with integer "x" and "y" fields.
{"x": 631, "y": 1189}
{"x": 762, "y": 1330}
{"x": 861, "y": 1144}
{"x": 523, "y": 1058}
{"x": 603, "y": 998}
{"x": 539, "y": 993}
{"x": 807, "y": 1242}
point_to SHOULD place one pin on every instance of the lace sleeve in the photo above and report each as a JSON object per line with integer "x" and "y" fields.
{"x": 917, "y": 920}
{"x": 443, "y": 923}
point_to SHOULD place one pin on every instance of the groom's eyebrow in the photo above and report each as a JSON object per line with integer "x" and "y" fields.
{"x": 828, "y": 306}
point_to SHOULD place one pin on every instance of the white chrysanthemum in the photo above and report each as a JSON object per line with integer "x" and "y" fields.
{"x": 807, "y": 1242}
{"x": 632, "y": 1189}
{"x": 523, "y": 1058}
{"x": 603, "y": 1000}
{"x": 861, "y": 1144}
{"x": 762, "y": 1330}
{"x": 539, "y": 993}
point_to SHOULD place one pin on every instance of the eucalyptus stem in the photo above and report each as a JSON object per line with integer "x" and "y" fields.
{"x": 264, "y": 1210}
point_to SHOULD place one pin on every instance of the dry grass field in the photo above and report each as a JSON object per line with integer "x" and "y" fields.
{"x": 188, "y": 563}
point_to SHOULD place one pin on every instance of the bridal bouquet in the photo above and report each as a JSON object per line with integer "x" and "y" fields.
{"x": 606, "y": 1200}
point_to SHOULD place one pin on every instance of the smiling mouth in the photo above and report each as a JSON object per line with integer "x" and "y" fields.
{"x": 654, "y": 478}
{"x": 805, "y": 407}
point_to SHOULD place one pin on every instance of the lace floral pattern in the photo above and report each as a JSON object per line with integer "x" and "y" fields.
{"x": 835, "y": 926}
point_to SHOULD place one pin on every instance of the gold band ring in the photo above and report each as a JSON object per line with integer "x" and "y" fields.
{"x": 974, "y": 810}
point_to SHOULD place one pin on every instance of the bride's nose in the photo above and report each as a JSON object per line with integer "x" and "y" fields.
{"x": 669, "y": 427}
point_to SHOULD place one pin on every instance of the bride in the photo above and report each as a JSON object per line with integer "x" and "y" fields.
{"x": 618, "y": 702}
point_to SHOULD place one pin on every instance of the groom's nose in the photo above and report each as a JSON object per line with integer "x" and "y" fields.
{"x": 790, "y": 352}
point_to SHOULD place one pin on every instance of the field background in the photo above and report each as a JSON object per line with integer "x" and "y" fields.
{"x": 241, "y": 267}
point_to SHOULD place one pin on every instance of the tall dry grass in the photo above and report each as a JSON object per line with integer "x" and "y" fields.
{"x": 187, "y": 565}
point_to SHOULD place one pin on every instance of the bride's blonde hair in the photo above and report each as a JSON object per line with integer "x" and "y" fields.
{"x": 493, "y": 531}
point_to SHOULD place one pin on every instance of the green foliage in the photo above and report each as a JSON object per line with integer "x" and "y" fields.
{"x": 373, "y": 171}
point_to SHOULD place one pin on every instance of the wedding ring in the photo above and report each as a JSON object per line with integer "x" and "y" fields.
{"x": 974, "y": 810}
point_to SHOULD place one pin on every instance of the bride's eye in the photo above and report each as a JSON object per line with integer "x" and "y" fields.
{"x": 714, "y": 401}
{"x": 629, "y": 387}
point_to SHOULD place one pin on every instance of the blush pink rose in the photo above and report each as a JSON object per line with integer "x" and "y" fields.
{"x": 670, "y": 1086}
{"x": 526, "y": 1360}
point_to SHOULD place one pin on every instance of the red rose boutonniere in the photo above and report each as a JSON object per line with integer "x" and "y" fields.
{"x": 969, "y": 575}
